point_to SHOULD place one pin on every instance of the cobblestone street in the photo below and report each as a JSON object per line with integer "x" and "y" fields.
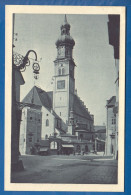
{"x": 67, "y": 169}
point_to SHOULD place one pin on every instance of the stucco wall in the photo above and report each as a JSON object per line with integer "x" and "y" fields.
{"x": 110, "y": 129}
{"x": 47, "y": 130}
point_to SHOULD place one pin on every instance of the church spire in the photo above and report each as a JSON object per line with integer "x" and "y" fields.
{"x": 65, "y": 27}
{"x": 65, "y": 19}
{"x": 65, "y": 37}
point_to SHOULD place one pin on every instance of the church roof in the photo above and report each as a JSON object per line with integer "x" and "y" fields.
{"x": 65, "y": 39}
{"x": 40, "y": 97}
{"x": 80, "y": 109}
{"x": 45, "y": 97}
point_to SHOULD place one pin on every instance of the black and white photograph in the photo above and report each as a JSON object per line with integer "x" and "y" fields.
{"x": 65, "y": 98}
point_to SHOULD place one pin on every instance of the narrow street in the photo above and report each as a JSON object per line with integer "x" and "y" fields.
{"x": 67, "y": 169}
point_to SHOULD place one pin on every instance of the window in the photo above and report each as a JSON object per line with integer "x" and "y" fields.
{"x": 59, "y": 71}
{"x": 113, "y": 121}
{"x": 30, "y": 118}
{"x": 47, "y": 122}
{"x": 63, "y": 71}
{"x": 60, "y": 113}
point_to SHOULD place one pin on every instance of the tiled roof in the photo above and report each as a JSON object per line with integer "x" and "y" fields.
{"x": 38, "y": 96}
{"x": 79, "y": 109}
{"x": 45, "y": 98}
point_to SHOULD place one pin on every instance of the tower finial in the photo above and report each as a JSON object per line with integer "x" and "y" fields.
{"x": 65, "y": 19}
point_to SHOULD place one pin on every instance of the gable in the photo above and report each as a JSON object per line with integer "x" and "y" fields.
{"x": 32, "y": 97}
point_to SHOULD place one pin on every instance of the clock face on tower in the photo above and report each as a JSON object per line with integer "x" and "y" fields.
{"x": 61, "y": 84}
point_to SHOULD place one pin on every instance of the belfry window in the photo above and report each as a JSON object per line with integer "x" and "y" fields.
{"x": 47, "y": 122}
{"x": 59, "y": 71}
{"x": 63, "y": 71}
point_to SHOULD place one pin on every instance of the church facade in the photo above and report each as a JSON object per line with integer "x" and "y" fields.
{"x": 62, "y": 113}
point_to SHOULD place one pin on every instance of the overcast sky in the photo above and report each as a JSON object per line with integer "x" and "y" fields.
{"x": 95, "y": 65}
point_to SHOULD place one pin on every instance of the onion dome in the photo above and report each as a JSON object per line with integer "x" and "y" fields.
{"x": 65, "y": 37}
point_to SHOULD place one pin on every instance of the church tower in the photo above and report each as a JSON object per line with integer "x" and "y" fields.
{"x": 64, "y": 81}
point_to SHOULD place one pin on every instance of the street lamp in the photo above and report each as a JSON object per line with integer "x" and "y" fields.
{"x": 20, "y": 62}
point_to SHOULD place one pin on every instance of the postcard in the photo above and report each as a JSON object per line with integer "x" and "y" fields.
{"x": 64, "y": 98}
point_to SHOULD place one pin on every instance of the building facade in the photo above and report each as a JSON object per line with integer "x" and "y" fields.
{"x": 114, "y": 40}
{"x": 111, "y": 127}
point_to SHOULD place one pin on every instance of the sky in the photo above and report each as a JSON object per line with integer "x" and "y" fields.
{"x": 93, "y": 56}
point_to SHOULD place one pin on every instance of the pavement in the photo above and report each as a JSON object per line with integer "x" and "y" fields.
{"x": 87, "y": 169}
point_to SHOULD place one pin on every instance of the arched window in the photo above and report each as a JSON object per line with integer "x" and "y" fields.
{"x": 59, "y": 71}
{"x": 63, "y": 71}
{"x": 47, "y": 122}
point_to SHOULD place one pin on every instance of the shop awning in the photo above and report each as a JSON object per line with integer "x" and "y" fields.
{"x": 67, "y": 146}
{"x": 43, "y": 149}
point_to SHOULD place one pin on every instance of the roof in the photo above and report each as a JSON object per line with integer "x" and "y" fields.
{"x": 18, "y": 77}
{"x": 40, "y": 97}
{"x": 111, "y": 102}
{"x": 45, "y": 97}
{"x": 80, "y": 109}
{"x": 99, "y": 127}
{"x": 68, "y": 135}
{"x": 82, "y": 130}
{"x": 101, "y": 131}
